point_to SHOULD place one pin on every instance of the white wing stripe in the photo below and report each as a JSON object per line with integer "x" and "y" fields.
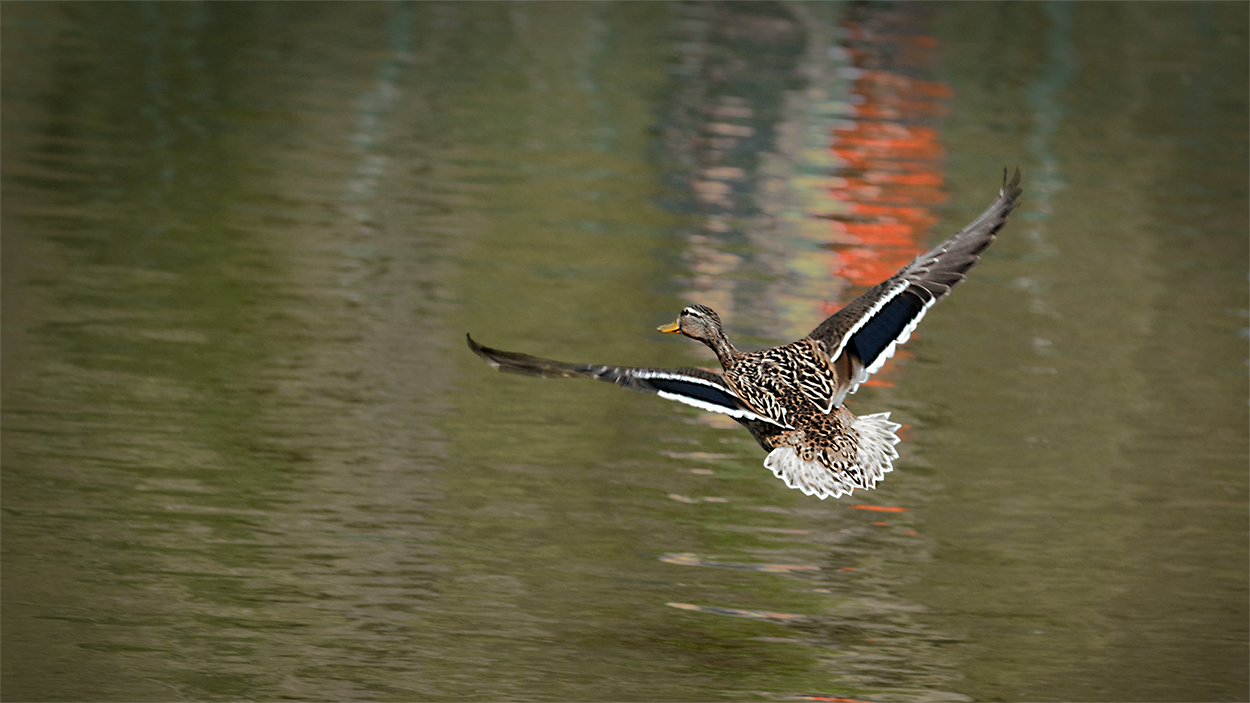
{"x": 863, "y": 320}
{"x": 703, "y": 405}
{"x": 681, "y": 377}
{"x": 890, "y": 349}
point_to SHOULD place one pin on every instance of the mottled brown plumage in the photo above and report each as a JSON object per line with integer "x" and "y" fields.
{"x": 790, "y": 389}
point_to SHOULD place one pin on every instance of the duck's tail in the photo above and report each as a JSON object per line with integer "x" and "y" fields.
{"x": 811, "y": 476}
{"x": 826, "y": 475}
{"x": 876, "y": 453}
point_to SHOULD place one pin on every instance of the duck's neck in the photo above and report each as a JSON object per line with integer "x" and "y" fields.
{"x": 719, "y": 344}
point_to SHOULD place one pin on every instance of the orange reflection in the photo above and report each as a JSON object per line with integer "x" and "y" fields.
{"x": 879, "y": 508}
{"x": 891, "y": 174}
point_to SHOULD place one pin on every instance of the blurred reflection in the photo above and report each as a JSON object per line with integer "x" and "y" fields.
{"x": 805, "y": 196}
{"x": 736, "y": 612}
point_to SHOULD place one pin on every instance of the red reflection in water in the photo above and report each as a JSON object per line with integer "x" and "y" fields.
{"x": 879, "y": 508}
{"x": 892, "y": 174}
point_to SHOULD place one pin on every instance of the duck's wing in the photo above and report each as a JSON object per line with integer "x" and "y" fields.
{"x": 862, "y": 335}
{"x": 703, "y": 389}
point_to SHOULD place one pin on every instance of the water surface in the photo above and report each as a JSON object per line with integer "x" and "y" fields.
{"x": 246, "y": 454}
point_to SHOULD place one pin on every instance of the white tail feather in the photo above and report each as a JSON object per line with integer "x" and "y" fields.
{"x": 876, "y": 446}
{"x": 874, "y": 458}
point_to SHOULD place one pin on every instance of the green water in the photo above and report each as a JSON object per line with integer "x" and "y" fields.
{"x": 247, "y": 455}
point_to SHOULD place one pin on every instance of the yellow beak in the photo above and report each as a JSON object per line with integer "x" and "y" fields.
{"x": 672, "y": 327}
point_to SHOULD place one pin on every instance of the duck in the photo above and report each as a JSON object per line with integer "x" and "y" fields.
{"x": 791, "y": 398}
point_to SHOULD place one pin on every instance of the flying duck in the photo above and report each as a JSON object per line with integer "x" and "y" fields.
{"x": 791, "y": 397}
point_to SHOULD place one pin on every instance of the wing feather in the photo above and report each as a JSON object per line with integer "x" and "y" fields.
{"x": 870, "y": 328}
{"x": 698, "y": 387}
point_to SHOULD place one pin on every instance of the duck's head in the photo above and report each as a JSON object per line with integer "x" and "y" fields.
{"x": 697, "y": 322}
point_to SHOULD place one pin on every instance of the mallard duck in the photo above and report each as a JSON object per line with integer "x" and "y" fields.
{"x": 791, "y": 397}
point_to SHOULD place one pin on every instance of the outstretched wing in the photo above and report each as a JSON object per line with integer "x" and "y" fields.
{"x": 867, "y": 331}
{"x": 697, "y": 387}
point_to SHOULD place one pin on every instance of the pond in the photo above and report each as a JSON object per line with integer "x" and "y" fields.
{"x": 247, "y": 454}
